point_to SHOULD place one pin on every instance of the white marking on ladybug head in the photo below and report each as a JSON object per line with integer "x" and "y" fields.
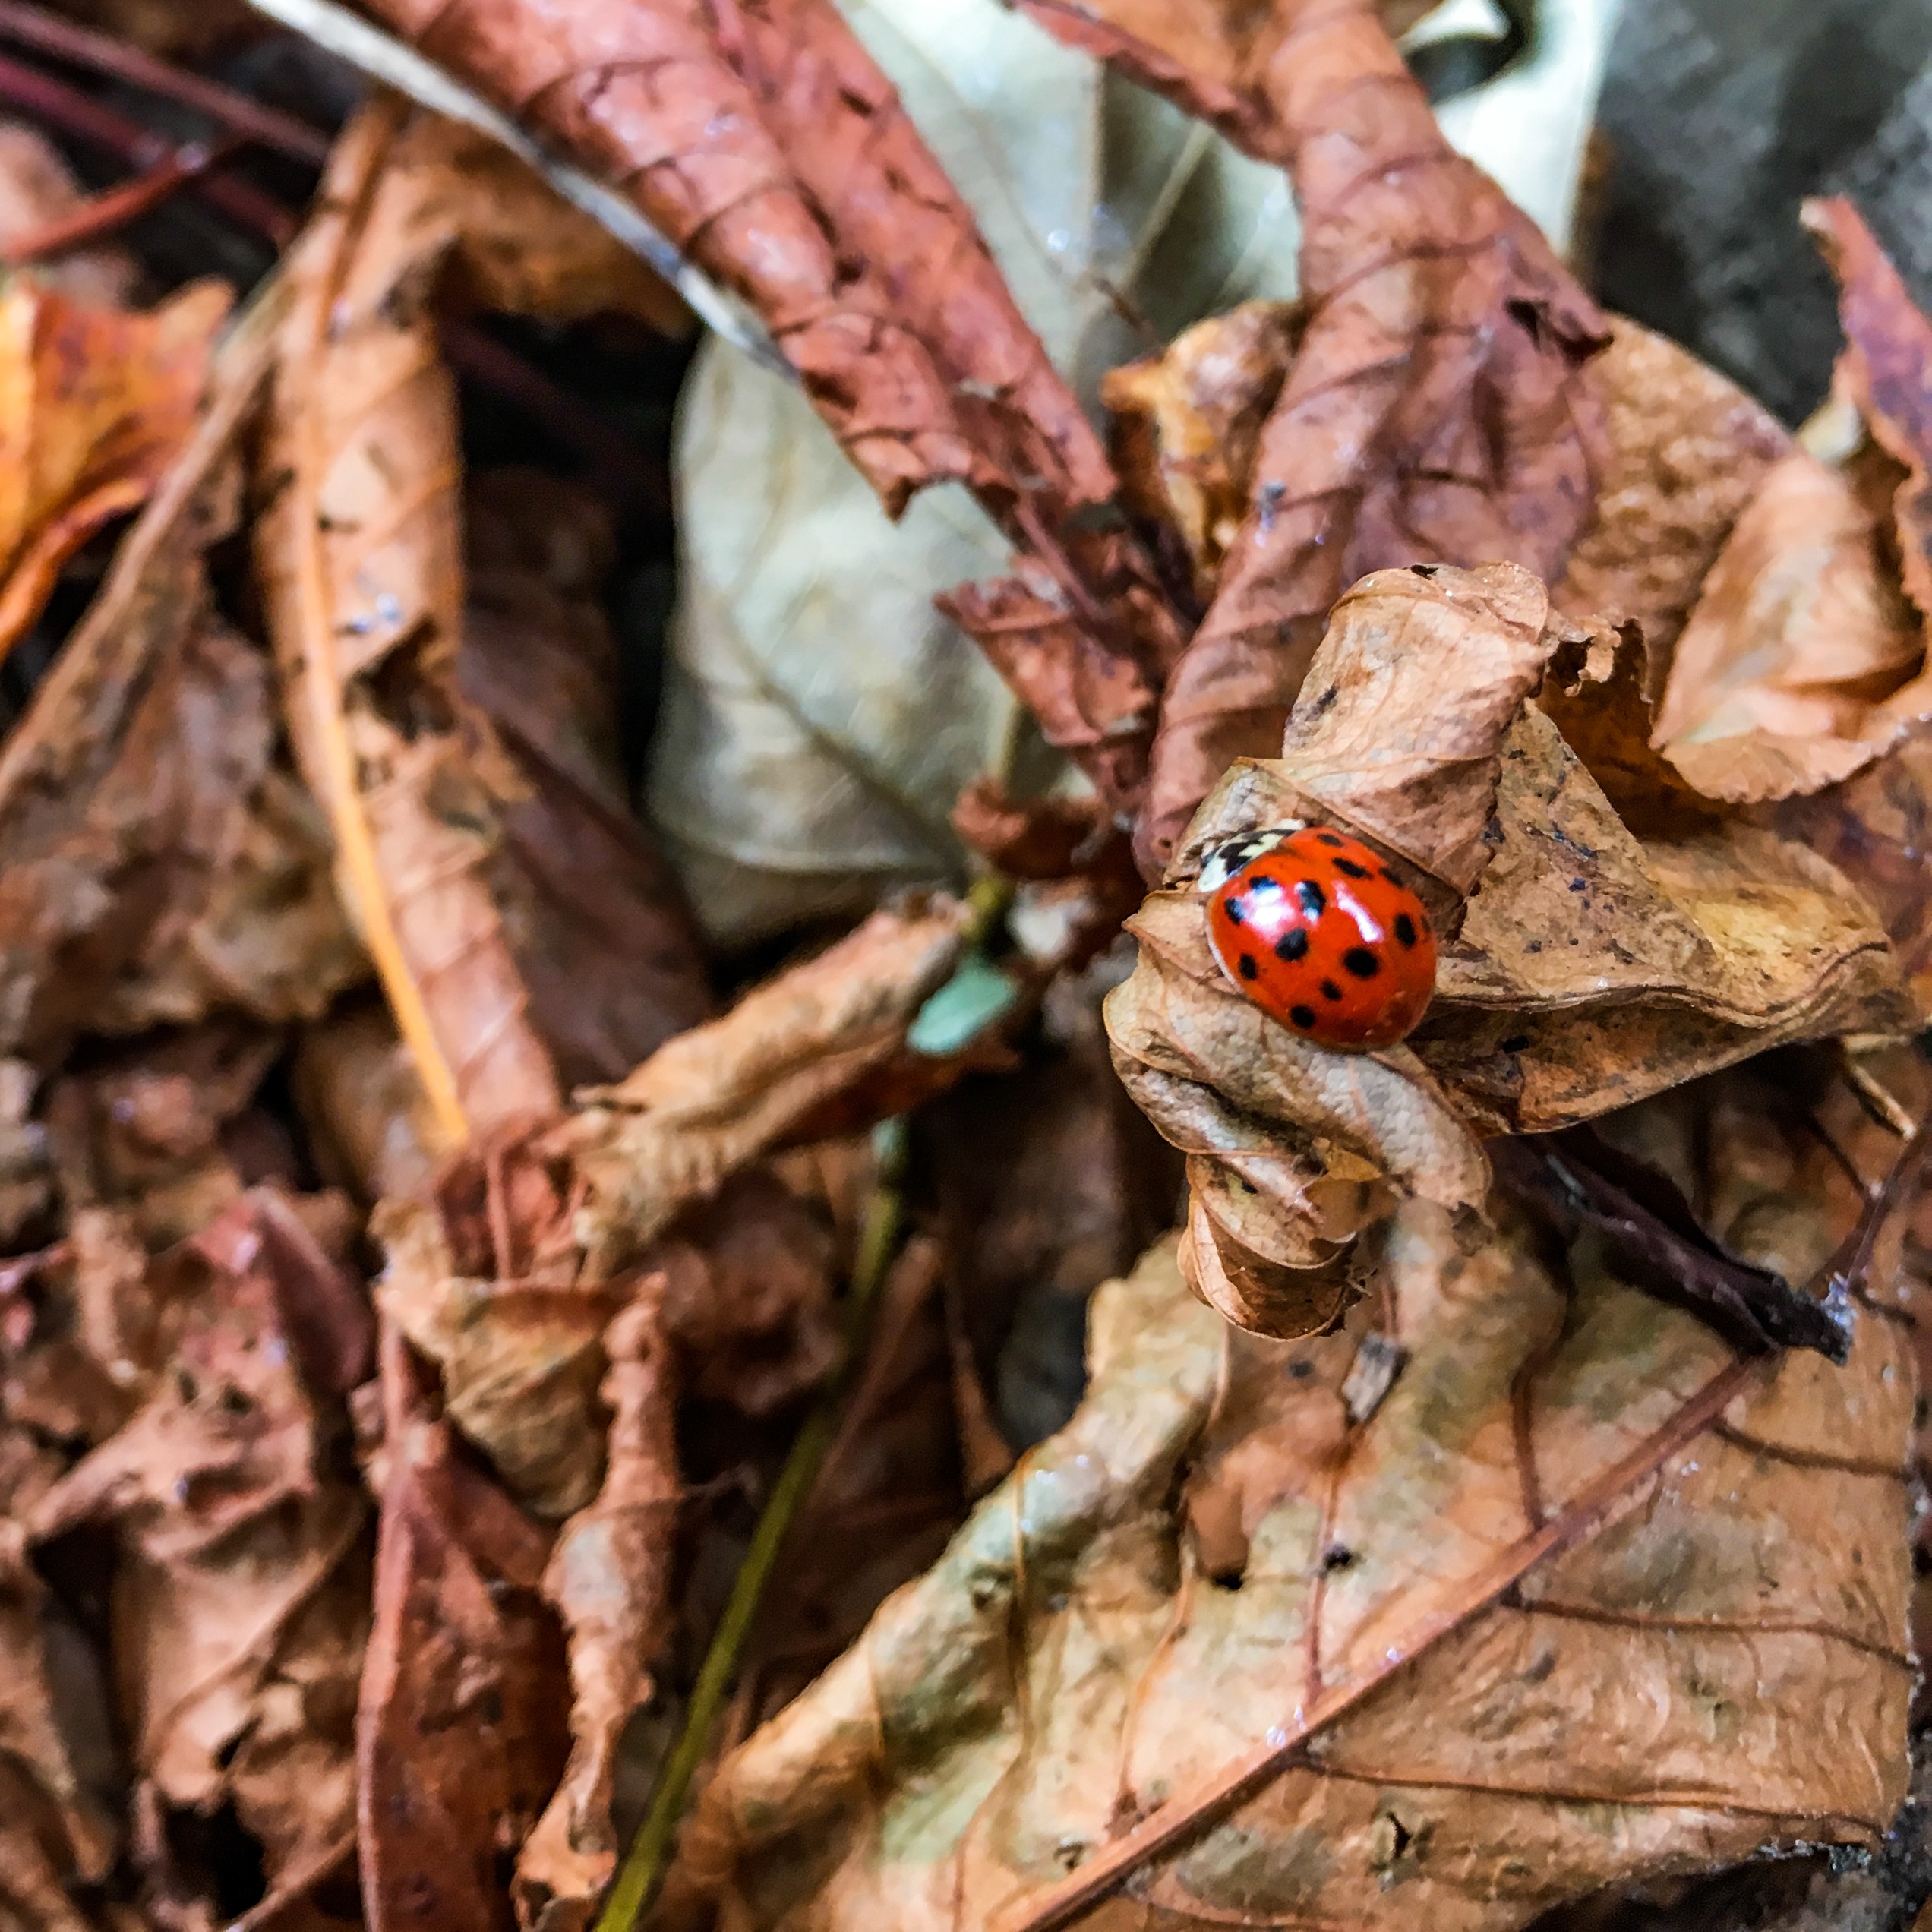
{"x": 1219, "y": 863}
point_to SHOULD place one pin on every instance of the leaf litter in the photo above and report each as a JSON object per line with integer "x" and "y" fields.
{"x": 1266, "y": 1486}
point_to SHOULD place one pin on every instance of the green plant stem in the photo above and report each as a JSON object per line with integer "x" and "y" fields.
{"x": 878, "y": 1241}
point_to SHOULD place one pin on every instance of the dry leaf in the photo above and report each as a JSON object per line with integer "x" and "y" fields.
{"x": 716, "y": 1098}
{"x": 1187, "y": 426}
{"x": 610, "y": 1577}
{"x": 1591, "y": 969}
{"x": 1802, "y": 661}
{"x": 99, "y": 403}
{"x": 784, "y": 166}
{"x": 1437, "y": 406}
{"x": 157, "y": 865}
{"x": 360, "y": 553}
{"x": 241, "y": 1593}
{"x": 460, "y": 1724}
{"x": 1687, "y": 450}
{"x": 1587, "y": 1599}
{"x": 1887, "y": 371}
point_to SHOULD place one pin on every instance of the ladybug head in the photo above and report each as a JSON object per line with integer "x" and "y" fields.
{"x": 1223, "y": 860}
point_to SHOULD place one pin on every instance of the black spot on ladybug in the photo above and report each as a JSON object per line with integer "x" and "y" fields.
{"x": 1329, "y": 990}
{"x": 1388, "y": 875}
{"x": 1247, "y": 966}
{"x": 1266, "y": 883}
{"x": 1302, "y": 1016}
{"x": 1237, "y": 911}
{"x": 1326, "y": 838}
{"x": 1354, "y": 870}
{"x": 1314, "y": 900}
{"x": 1361, "y": 962}
{"x": 1405, "y": 929}
{"x": 1292, "y": 945}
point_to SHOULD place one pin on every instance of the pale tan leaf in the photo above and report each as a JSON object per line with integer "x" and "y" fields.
{"x": 1586, "y": 1600}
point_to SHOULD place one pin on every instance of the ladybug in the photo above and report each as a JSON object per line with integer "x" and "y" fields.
{"x": 1320, "y": 934}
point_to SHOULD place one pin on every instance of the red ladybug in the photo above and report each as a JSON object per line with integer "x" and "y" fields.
{"x": 1321, "y": 934}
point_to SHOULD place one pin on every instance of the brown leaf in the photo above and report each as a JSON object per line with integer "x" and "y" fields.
{"x": 1798, "y": 664}
{"x": 782, "y": 163}
{"x": 610, "y": 1577}
{"x": 594, "y": 917}
{"x": 240, "y": 1594}
{"x": 1686, "y": 451}
{"x": 360, "y": 553}
{"x": 37, "y": 188}
{"x": 1591, "y": 969}
{"x": 1437, "y": 408}
{"x": 717, "y": 1098}
{"x": 1187, "y": 426}
{"x": 157, "y": 864}
{"x": 1886, "y": 369}
{"x": 460, "y": 1723}
{"x": 1260, "y": 1665}
{"x": 1803, "y": 661}
{"x": 99, "y": 403}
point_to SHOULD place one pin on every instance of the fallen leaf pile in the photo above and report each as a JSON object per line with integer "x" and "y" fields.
{"x": 836, "y": 1371}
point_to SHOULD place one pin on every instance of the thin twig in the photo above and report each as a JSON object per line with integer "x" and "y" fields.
{"x": 878, "y": 1242}
{"x": 397, "y": 65}
{"x": 102, "y": 214}
{"x": 1878, "y": 1100}
{"x": 27, "y": 91}
{"x": 81, "y": 46}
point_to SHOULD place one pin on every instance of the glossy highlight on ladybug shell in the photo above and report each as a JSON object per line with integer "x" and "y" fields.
{"x": 1320, "y": 934}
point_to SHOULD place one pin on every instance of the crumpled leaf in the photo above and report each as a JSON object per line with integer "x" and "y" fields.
{"x": 807, "y": 660}
{"x": 1438, "y": 406}
{"x": 360, "y": 551}
{"x": 610, "y": 1577}
{"x": 490, "y": 1274}
{"x": 98, "y": 404}
{"x": 1562, "y": 1614}
{"x": 1591, "y": 968}
{"x": 715, "y": 1098}
{"x": 460, "y": 1723}
{"x": 240, "y": 1600}
{"x": 783, "y": 165}
{"x": 1187, "y": 425}
{"x": 1804, "y": 661}
{"x": 158, "y": 1132}
{"x": 157, "y": 862}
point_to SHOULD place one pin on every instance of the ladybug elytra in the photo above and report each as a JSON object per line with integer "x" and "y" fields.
{"x": 1314, "y": 929}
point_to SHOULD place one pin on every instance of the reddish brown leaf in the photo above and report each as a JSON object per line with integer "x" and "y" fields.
{"x": 610, "y": 1577}
{"x": 1436, "y": 410}
{"x": 768, "y": 146}
{"x": 1886, "y": 368}
{"x": 460, "y": 1722}
{"x": 241, "y": 1595}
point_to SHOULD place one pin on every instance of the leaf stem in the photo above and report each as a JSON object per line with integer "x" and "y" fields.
{"x": 879, "y": 1243}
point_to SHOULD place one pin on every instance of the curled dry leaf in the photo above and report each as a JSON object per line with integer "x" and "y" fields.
{"x": 1449, "y": 1665}
{"x": 361, "y": 551}
{"x": 716, "y": 1098}
{"x": 783, "y": 164}
{"x": 1591, "y": 968}
{"x": 1187, "y": 426}
{"x": 1803, "y": 661}
{"x": 240, "y": 1594}
{"x": 157, "y": 864}
{"x": 610, "y": 1577}
{"x": 99, "y": 404}
{"x": 459, "y": 1732}
{"x": 1437, "y": 406}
